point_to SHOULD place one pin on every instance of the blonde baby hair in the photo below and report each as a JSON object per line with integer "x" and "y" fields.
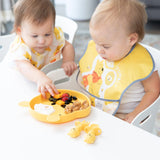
{"x": 130, "y": 13}
{"x": 36, "y": 11}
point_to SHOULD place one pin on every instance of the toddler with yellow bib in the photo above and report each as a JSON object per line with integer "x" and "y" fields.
{"x": 118, "y": 73}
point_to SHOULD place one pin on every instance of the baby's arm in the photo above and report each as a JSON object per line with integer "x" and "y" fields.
{"x": 44, "y": 84}
{"x": 68, "y": 59}
{"x": 152, "y": 91}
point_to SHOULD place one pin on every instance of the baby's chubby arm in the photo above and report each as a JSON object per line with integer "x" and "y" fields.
{"x": 152, "y": 91}
{"x": 44, "y": 84}
{"x": 68, "y": 58}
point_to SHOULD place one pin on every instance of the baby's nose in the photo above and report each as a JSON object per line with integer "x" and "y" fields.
{"x": 41, "y": 40}
{"x": 99, "y": 49}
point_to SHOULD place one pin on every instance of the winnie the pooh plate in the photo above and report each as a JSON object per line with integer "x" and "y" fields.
{"x": 63, "y": 107}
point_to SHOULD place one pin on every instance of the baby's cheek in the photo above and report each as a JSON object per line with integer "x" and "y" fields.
{"x": 50, "y": 41}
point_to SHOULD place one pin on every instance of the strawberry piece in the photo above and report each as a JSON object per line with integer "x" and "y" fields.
{"x": 64, "y": 98}
{"x": 65, "y": 95}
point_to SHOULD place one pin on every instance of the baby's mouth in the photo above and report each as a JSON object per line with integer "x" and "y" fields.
{"x": 41, "y": 47}
{"x": 104, "y": 58}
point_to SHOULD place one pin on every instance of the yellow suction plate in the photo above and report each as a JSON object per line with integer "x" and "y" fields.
{"x": 59, "y": 115}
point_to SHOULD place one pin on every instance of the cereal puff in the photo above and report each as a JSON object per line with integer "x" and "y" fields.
{"x": 90, "y": 137}
{"x": 92, "y": 131}
{"x": 79, "y": 126}
{"x": 74, "y": 132}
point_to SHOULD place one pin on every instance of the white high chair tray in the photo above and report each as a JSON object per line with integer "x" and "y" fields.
{"x": 25, "y": 138}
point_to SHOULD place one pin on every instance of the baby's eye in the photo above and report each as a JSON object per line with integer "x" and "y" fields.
{"x": 35, "y": 36}
{"x": 106, "y": 47}
{"x": 47, "y": 35}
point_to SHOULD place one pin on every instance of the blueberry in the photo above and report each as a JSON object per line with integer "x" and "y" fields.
{"x": 67, "y": 102}
{"x": 53, "y": 103}
{"x": 63, "y": 105}
{"x": 70, "y": 98}
{"x": 74, "y": 98}
{"x": 52, "y": 99}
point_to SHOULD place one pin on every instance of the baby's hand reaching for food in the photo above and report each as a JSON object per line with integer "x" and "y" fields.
{"x": 45, "y": 85}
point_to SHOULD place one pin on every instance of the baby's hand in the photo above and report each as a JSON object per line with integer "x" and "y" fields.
{"x": 45, "y": 85}
{"x": 69, "y": 67}
{"x": 129, "y": 117}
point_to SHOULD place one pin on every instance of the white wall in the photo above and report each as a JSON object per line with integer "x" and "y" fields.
{"x": 60, "y": 1}
{"x": 63, "y": 1}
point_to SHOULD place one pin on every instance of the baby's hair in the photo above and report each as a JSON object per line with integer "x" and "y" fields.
{"x": 36, "y": 11}
{"x": 131, "y": 13}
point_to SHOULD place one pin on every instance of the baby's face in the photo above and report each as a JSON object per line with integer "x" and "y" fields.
{"x": 37, "y": 37}
{"x": 112, "y": 42}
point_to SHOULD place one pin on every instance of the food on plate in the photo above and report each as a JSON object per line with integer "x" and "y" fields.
{"x": 43, "y": 108}
{"x": 69, "y": 102}
{"x": 75, "y": 106}
{"x": 63, "y": 107}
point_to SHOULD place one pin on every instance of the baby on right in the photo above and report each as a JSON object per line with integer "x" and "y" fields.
{"x": 116, "y": 68}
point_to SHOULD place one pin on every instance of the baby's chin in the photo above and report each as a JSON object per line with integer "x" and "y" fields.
{"x": 107, "y": 59}
{"x": 41, "y": 51}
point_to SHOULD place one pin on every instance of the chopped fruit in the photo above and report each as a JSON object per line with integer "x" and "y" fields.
{"x": 52, "y": 99}
{"x": 70, "y": 98}
{"x": 58, "y": 95}
{"x": 63, "y": 105}
{"x": 60, "y": 102}
{"x": 65, "y": 98}
{"x": 74, "y": 98}
{"x": 65, "y": 95}
{"x": 69, "y": 103}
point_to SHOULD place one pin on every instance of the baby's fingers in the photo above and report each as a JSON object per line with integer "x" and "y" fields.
{"x": 43, "y": 91}
{"x": 70, "y": 69}
{"x": 52, "y": 89}
{"x": 67, "y": 70}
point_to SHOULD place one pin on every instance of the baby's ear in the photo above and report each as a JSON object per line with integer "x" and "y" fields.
{"x": 133, "y": 38}
{"x": 18, "y": 30}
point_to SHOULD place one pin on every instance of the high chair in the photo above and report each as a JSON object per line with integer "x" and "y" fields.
{"x": 5, "y": 42}
{"x": 68, "y": 26}
{"x": 144, "y": 120}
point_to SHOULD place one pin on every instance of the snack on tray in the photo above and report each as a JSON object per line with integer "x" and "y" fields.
{"x": 69, "y": 102}
{"x": 75, "y": 106}
{"x": 90, "y": 137}
{"x": 93, "y": 127}
{"x": 76, "y": 131}
{"x": 92, "y": 131}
